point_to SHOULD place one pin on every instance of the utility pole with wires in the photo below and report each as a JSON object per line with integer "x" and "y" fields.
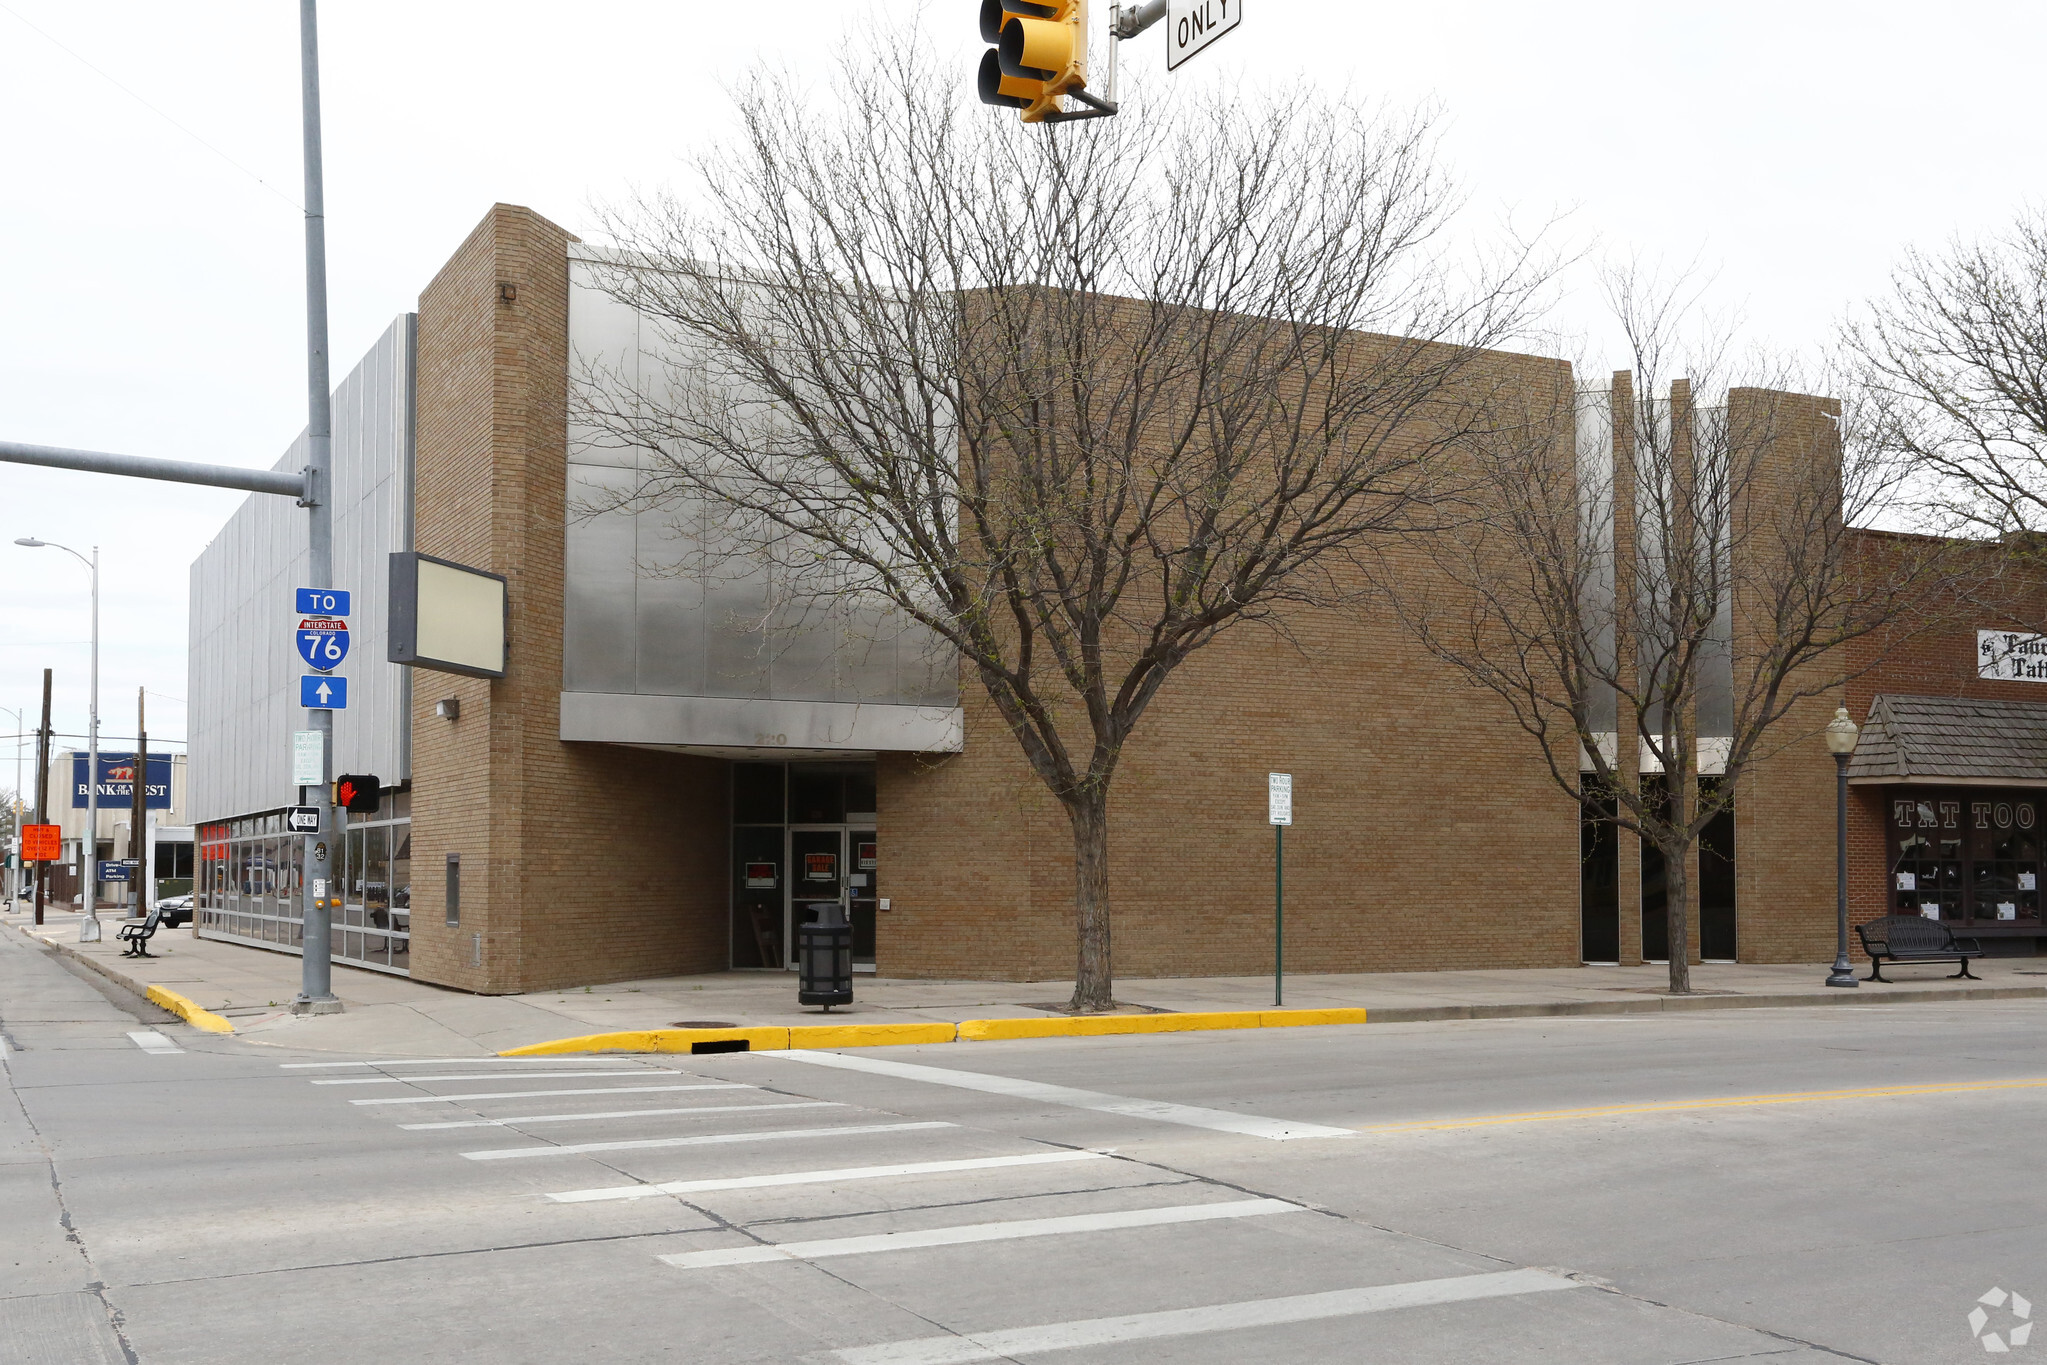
{"x": 138, "y": 807}
{"x": 42, "y": 789}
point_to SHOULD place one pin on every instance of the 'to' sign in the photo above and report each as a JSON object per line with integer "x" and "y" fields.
{"x": 323, "y": 642}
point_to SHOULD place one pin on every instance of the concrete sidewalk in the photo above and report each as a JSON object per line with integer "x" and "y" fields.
{"x": 392, "y": 1015}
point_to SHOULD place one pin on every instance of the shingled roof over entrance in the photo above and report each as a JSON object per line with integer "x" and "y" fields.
{"x": 1943, "y": 739}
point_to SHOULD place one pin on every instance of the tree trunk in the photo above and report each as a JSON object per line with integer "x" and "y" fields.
{"x": 1093, "y": 980}
{"x": 1678, "y": 906}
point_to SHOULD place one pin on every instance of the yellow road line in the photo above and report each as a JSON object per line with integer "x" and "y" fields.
{"x": 1728, "y": 1102}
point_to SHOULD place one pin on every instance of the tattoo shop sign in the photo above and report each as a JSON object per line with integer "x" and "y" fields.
{"x": 2011, "y": 656}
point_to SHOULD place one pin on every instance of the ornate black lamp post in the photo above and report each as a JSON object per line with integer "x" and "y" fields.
{"x": 1841, "y": 735}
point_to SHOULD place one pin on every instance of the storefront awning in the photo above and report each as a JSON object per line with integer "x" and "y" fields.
{"x": 1952, "y": 740}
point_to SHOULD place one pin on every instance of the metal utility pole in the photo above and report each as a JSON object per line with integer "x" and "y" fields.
{"x": 316, "y": 868}
{"x": 89, "y": 927}
{"x": 43, "y": 786}
{"x": 138, "y": 804}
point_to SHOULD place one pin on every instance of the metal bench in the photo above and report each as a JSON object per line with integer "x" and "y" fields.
{"x": 1912, "y": 938}
{"x": 136, "y": 933}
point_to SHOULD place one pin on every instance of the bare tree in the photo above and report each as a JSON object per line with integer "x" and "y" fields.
{"x": 1953, "y": 366}
{"x": 1077, "y": 399}
{"x": 1746, "y": 585}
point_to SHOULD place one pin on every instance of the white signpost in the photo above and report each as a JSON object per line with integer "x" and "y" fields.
{"x": 1192, "y": 25}
{"x": 1279, "y": 812}
{"x": 308, "y": 759}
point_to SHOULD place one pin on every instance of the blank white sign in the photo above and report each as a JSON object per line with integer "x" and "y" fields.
{"x": 461, "y": 617}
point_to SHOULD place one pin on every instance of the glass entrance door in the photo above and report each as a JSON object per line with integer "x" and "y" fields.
{"x": 860, "y": 893}
{"x": 817, "y": 874}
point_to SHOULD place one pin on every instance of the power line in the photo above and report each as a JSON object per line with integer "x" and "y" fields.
{"x": 153, "y": 109}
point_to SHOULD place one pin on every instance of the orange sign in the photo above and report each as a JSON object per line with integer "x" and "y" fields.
{"x": 42, "y": 843}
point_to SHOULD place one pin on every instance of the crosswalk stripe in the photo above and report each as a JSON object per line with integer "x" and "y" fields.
{"x": 486, "y": 1076}
{"x": 967, "y": 1349}
{"x": 1220, "y": 1120}
{"x": 531, "y": 1094}
{"x": 701, "y": 1140}
{"x": 761, "y": 1182}
{"x": 980, "y": 1232}
{"x": 619, "y": 1114}
{"x": 149, "y": 1040}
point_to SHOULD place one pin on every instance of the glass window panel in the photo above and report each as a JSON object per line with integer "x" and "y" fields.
{"x": 860, "y": 792}
{"x": 376, "y": 876}
{"x": 816, "y": 796}
{"x": 756, "y": 793}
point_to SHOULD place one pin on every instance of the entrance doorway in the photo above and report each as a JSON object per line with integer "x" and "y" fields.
{"x": 834, "y": 865}
{"x": 802, "y": 836}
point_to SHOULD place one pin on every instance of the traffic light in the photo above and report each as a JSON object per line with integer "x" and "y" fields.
{"x": 358, "y": 793}
{"x": 1039, "y": 54}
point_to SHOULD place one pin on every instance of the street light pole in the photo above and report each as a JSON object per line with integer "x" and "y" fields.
{"x": 89, "y": 927}
{"x": 1841, "y": 736}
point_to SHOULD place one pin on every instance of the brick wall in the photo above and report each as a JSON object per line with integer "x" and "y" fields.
{"x": 579, "y": 863}
{"x": 1428, "y": 833}
{"x": 1933, "y": 654}
{"x": 1783, "y": 814}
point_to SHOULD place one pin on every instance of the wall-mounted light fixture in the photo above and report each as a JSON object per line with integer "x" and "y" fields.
{"x": 448, "y": 708}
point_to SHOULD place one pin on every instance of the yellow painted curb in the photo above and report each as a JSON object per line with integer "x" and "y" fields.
{"x": 1096, "y": 1025}
{"x": 870, "y": 1035}
{"x": 1296, "y": 1018}
{"x": 189, "y": 1012}
{"x": 972, "y": 1031}
{"x": 657, "y": 1040}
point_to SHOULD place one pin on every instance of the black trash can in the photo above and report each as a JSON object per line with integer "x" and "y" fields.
{"x": 824, "y": 957}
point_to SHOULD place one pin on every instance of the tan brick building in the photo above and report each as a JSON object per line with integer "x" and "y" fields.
{"x": 667, "y": 772}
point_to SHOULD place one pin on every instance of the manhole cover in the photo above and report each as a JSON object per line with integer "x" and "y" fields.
{"x": 702, "y": 1023}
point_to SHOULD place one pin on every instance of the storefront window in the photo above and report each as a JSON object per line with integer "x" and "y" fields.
{"x": 252, "y": 884}
{"x": 1968, "y": 855}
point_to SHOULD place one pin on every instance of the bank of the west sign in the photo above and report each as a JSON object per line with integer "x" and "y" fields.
{"x": 117, "y": 781}
{"x": 2011, "y": 656}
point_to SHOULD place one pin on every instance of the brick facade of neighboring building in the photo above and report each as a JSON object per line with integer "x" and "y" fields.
{"x": 1932, "y": 654}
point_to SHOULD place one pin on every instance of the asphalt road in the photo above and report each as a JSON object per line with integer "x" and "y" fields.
{"x": 1400, "y": 1193}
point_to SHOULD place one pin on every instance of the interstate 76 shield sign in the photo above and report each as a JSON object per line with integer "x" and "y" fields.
{"x": 323, "y": 642}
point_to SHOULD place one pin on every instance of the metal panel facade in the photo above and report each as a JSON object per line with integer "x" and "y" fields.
{"x": 659, "y": 604}
{"x": 244, "y": 669}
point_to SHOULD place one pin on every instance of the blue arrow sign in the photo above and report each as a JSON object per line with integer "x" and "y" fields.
{"x": 322, "y": 642}
{"x": 321, "y": 602}
{"x": 323, "y": 694}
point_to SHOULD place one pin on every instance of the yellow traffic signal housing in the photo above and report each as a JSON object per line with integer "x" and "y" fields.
{"x": 1040, "y": 54}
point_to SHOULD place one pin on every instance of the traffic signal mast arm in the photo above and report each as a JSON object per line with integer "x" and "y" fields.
{"x": 1127, "y": 21}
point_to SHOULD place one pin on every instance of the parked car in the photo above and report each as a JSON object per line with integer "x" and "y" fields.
{"x": 177, "y": 910}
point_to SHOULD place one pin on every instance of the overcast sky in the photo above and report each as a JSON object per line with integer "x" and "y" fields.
{"x": 150, "y": 184}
